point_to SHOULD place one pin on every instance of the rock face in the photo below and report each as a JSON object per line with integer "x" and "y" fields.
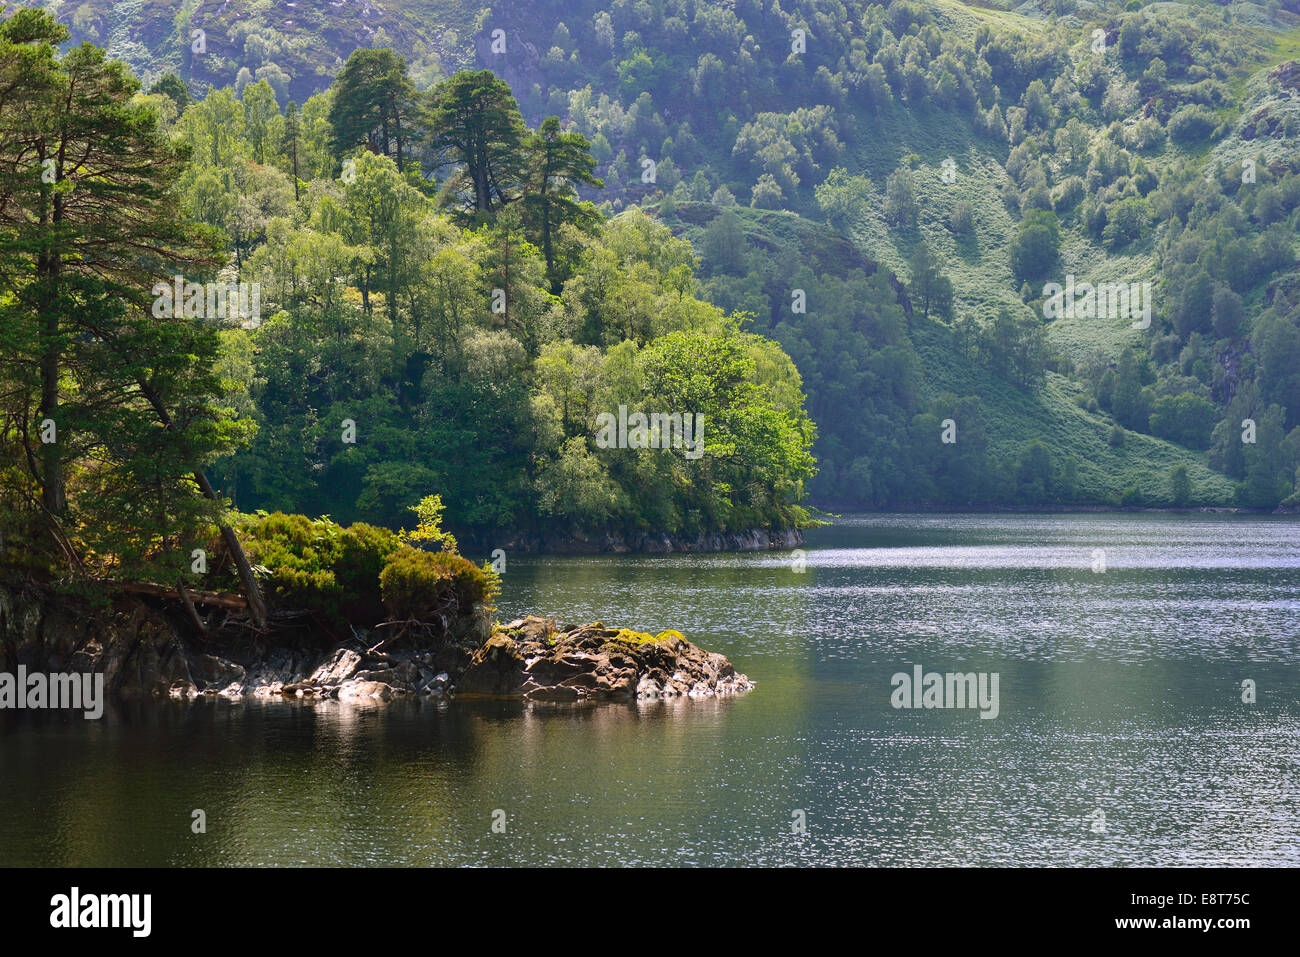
{"x": 145, "y": 649}
{"x": 533, "y": 659}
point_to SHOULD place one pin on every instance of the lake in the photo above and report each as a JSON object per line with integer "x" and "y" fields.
{"x": 1121, "y": 643}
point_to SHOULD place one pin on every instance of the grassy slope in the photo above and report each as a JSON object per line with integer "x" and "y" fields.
{"x": 1014, "y": 415}
{"x": 980, "y": 269}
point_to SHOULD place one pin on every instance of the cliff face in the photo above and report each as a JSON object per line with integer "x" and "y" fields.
{"x": 145, "y": 649}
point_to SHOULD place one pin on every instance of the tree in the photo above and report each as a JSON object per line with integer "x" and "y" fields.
{"x": 289, "y": 143}
{"x": 900, "y": 199}
{"x": 558, "y": 163}
{"x": 374, "y": 104}
{"x": 261, "y": 118}
{"x": 929, "y": 286}
{"x": 1035, "y": 473}
{"x": 1127, "y": 402}
{"x": 475, "y": 125}
{"x": 1228, "y": 312}
{"x": 171, "y": 85}
{"x": 961, "y": 218}
{"x": 89, "y": 221}
{"x": 767, "y": 193}
{"x": 1016, "y": 349}
{"x": 381, "y": 211}
{"x": 1180, "y": 486}
{"x": 843, "y": 198}
{"x": 1186, "y": 419}
{"x": 1277, "y": 342}
{"x": 724, "y": 245}
{"x": 1036, "y": 248}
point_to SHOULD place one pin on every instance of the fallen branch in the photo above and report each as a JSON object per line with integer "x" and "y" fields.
{"x": 216, "y": 599}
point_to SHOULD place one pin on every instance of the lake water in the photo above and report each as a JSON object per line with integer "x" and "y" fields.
{"x": 1121, "y": 737}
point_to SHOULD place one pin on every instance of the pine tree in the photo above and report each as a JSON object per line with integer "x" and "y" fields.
{"x": 89, "y": 224}
{"x": 374, "y": 104}
{"x": 476, "y": 126}
{"x": 558, "y": 162}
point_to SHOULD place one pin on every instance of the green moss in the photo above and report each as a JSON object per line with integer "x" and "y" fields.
{"x": 630, "y": 637}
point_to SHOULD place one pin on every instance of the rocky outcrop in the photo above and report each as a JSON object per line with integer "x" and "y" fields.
{"x": 650, "y": 543}
{"x": 146, "y": 649}
{"x": 532, "y": 658}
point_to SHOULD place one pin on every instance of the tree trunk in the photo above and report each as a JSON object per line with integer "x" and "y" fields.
{"x": 252, "y": 590}
{"x": 397, "y": 122}
{"x": 48, "y": 268}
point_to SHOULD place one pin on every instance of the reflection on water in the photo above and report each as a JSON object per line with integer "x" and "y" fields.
{"x": 1120, "y": 693}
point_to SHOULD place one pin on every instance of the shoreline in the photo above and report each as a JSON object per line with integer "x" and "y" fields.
{"x": 643, "y": 543}
{"x": 1066, "y": 510}
{"x": 144, "y": 647}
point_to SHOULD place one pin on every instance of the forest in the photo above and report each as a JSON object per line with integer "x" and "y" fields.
{"x": 826, "y": 229}
{"x": 439, "y": 347}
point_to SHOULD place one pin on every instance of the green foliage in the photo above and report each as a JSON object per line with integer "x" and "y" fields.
{"x": 1036, "y": 249}
{"x": 930, "y": 288}
{"x": 887, "y": 89}
{"x": 475, "y": 128}
{"x": 90, "y": 220}
{"x": 1192, "y": 125}
{"x": 429, "y": 510}
{"x": 1180, "y": 487}
{"x": 432, "y": 586}
{"x": 373, "y": 105}
{"x": 318, "y": 566}
{"x": 1186, "y": 419}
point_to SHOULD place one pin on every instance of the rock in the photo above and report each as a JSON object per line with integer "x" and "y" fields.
{"x": 210, "y": 672}
{"x": 527, "y": 658}
{"x": 356, "y": 688}
{"x": 144, "y": 650}
{"x": 341, "y": 666}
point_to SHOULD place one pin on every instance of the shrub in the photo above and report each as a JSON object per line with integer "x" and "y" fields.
{"x": 1068, "y": 194}
{"x": 1186, "y": 419}
{"x": 961, "y": 218}
{"x": 364, "y": 550}
{"x": 316, "y": 565}
{"x": 1192, "y": 125}
{"x": 767, "y": 193}
{"x": 424, "y": 586}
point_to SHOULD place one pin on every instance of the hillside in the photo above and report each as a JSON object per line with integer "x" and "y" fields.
{"x": 807, "y": 146}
